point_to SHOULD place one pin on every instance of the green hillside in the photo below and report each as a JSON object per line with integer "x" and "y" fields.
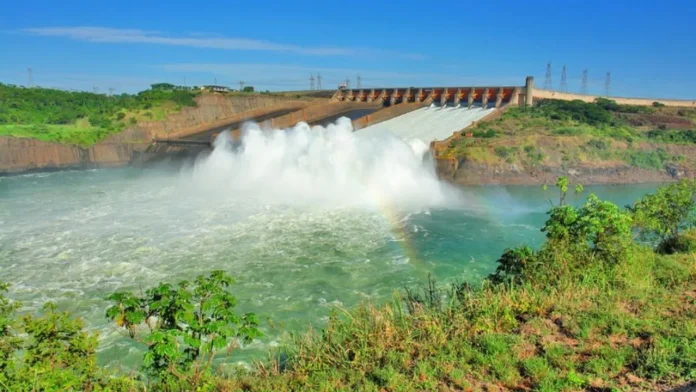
{"x": 83, "y": 118}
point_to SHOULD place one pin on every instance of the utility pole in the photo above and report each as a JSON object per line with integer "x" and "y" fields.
{"x": 241, "y": 85}
{"x": 318, "y": 82}
{"x": 607, "y": 85}
{"x": 359, "y": 84}
{"x": 583, "y": 89}
{"x": 564, "y": 81}
{"x": 311, "y": 82}
{"x": 547, "y": 81}
{"x": 30, "y": 78}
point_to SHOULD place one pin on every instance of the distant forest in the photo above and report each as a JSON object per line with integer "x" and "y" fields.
{"x": 27, "y": 106}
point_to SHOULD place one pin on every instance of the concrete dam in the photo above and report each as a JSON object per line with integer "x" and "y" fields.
{"x": 431, "y": 123}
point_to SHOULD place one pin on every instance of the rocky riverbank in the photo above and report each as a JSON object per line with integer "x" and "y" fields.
{"x": 476, "y": 173}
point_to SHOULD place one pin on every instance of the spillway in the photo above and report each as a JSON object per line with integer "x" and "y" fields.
{"x": 430, "y": 123}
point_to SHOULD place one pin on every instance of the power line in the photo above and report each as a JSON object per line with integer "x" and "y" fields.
{"x": 607, "y": 85}
{"x": 318, "y": 82}
{"x": 30, "y": 78}
{"x": 547, "y": 81}
{"x": 564, "y": 81}
{"x": 583, "y": 88}
{"x": 311, "y": 82}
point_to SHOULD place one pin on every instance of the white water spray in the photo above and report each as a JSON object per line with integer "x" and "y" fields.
{"x": 317, "y": 165}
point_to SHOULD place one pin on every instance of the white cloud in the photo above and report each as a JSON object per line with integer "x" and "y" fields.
{"x": 198, "y": 40}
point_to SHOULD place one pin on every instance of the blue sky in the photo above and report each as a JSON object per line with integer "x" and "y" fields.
{"x": 648, "y": 46}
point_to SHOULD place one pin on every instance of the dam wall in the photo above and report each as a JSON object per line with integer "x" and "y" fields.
{"x": 317, "y": 112}
{"x": 215, "y": 110}
{"x": 496, "y": 96}
{"x": 385, "y": 114}
{"x": 430, "y": 123}
{"x": 493, "y": 96}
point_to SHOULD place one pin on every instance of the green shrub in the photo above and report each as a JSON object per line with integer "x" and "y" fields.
{"x": 490, "y": 133}
{"x": 597, "y": 144}
{"x": 504, "y": 152}
{"x": 647, "y": 159}
{"x": 672, "y": 136}
{"x": 189, "y": 323}
{"x": 666, "y": 214}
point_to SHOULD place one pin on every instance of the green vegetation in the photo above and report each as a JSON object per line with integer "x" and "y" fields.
{"x": 589, "y": 310}
{"x": 188, "y": 324}
{"x": 80, "y": 117}
{"x": 672, "y": 136}
{"x": 557, "y": 133}
{"x": 666, "y": 214}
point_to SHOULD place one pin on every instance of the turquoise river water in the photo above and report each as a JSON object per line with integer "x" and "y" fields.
{"x": 306, "y": 221}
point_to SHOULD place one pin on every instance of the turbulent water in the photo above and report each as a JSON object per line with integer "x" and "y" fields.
{"x": 305, "y": 219}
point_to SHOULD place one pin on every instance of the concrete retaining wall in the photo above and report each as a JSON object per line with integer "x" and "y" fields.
{"x": 19, "y": 154}
{"x": 546, "y": 94}
{"x": 212, "y": 109}
{"x": 316, "y": 112}
{"x": 385, "y": 114}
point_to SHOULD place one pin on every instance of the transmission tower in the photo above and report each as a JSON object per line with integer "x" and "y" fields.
{"x": 95, "y": 89}
{"x": 583, "y": 89}
{"x": 311, "y": 82}
{"x": 359, "y": 82}
{"x": 547, "y": 82}
{"x": 607, "y": 85}
{"x": 564, "y": 81}
{"x": 318, "y": 82}
{"x": 347, "y": 83}
{"x": 111, "y": 91}
{"x": 241, "y": 85}
{"x": 30, "y": 78}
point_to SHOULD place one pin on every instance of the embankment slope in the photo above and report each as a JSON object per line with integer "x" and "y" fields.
{"x": 22, "y": 154}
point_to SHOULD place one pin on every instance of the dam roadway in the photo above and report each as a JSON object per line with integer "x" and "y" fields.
{"x": 352, "y": 112}
{"x": 207, "y": 135}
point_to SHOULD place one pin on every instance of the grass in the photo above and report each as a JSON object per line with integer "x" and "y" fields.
{"x": 80, "y": 134}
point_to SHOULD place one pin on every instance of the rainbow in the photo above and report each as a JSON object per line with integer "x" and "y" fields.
{"x": 396, "y": 226}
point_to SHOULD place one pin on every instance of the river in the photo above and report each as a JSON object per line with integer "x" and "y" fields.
{"x": 305, "y": 220}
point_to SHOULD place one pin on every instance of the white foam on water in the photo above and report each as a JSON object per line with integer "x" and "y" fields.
{"x": 329, "y": 166}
